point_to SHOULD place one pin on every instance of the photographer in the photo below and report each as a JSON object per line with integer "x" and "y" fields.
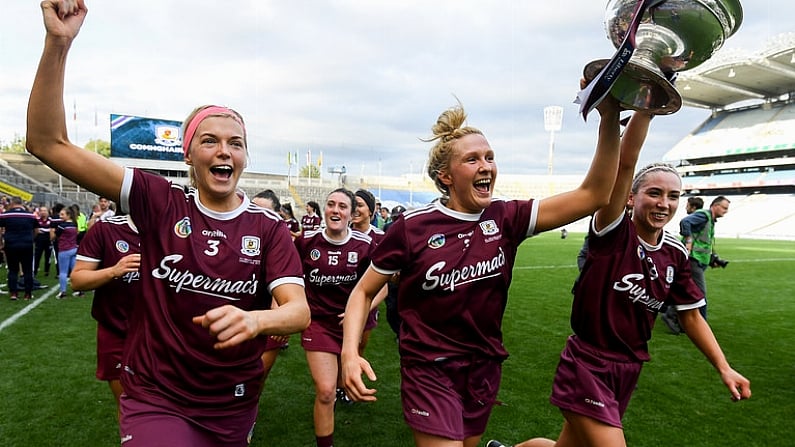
{"x": 698, "y": 233}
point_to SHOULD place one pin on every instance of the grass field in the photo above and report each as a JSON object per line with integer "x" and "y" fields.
{"x": 49, "y": 396}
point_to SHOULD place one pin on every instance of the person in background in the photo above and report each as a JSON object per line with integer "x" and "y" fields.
{"x": 286, "y": 211}
{"x": 363, "y": 211}
{"x": 693, "y": 204}
{"x": 108, "y": 262}
{"x": 18, "y": 228}
{"x": 42, "y": 243}
{"x": 55, "y": 216}
{"x": 311, "y": 220}
{"x": 384, "y": 217}
{"x": 334, "y": 259}
{"x": 635, "y": 267}
{"x": 210, "y": 261}
{"x": 698, "y": 233}
{"x": 64, "y": 234}
{"x": 273, "y": 343}
{"x": 268, "y": 200}
{"x": 376, "y": 219}
{"x": 103, "y": 210}
{"x": 81, "y": 221}
{"x": 396, "y": 211}
{"x": 392, "y": 316}
{"x": 668, "y": 316}
{"x": 455, "y": 258}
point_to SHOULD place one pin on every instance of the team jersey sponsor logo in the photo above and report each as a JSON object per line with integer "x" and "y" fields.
{"x": 182, "y": 228}
{"x": 487, "y": 268}
{"x": 489, "y": 227}
{"x": 250, "y": 245}
{"x": 314, "y": 254}
{"x": 198, "y": 283}
{"x": 129, "y": 277}
{"x": 122, "y": 246}
{"x": 436, "y": 241}
{"x": 631, "y": 284}
{"x": 315, "y": 277}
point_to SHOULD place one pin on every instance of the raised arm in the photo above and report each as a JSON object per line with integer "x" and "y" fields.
{"x": 631, "y": 143}
{"x": 46, "y": 137}
{"x": 594, "y": 192}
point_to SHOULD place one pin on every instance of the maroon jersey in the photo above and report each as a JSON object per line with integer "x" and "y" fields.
{"x": 310, "y": 223}
{"x": 105, "y": 244}
{"x": 455, "y": 270}
{"x": 193, "y": 260}
{"x": 623, "y": 285}
{"x": 66, "y": 235}
{"x": 45, "y": 223}
{"x": 376, "y": 234}
{"x": 331, "y": 269}
{"x": 292, "y": 225}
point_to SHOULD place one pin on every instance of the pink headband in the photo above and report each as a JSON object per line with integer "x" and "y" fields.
{"x": 200, "y": 116}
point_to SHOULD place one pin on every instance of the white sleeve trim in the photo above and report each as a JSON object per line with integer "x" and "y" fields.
{"x": 285, "y": 280}
{"x": 700, "y": 303}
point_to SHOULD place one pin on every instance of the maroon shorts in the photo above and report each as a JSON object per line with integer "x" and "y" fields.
{"x": 324, "y": 335}
{"x": 271, "y": 344}
{"x": 109, "y": 348}
{"x": 452, "y": 399}
{"x": 372, "y": 320}
{"x": 145, "y": 425}
{"x": 594, "y": 383}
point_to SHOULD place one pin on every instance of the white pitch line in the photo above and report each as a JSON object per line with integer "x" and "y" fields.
{"x": 13, "y": 318}
{"x": 738, "y": 261}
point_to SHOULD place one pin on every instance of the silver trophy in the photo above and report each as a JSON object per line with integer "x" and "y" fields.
{"x": 673, "y": 36}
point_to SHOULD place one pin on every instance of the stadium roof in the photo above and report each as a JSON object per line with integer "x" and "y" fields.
{"x": 737, "y": 76}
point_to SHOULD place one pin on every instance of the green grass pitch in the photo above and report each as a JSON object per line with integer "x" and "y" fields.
{"x": 50, "y": 397}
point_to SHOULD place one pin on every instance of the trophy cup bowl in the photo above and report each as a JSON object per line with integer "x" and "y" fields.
{"x": 675, "y": 36}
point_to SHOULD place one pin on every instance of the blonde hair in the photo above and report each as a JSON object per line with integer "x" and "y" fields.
{"x": 234, "y": 115}
{"x": 448, "y": 129}
{"x": 640, "y": 177}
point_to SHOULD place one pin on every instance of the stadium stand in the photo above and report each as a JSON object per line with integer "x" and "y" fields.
{"x": 747, "y": 145}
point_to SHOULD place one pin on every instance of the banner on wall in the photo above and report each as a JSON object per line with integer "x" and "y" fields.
{"x": 147, "y": 138}
{"x": 11, "y": 191}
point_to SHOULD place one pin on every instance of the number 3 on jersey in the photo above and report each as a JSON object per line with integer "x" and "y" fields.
{"x": 212, "y": 250}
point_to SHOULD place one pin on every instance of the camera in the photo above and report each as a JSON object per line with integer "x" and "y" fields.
{"x": 716, "y": 261}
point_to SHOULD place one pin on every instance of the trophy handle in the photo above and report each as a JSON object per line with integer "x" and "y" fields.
{"x": 641, "y": 88}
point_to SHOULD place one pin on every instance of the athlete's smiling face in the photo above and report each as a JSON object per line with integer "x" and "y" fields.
{"x": 655, "y": 203}
{"x": 337, "y": 214}
{"x": 218, "y": 156}
{"x": 361, "y": 215}
{"x": 472, "y": 173}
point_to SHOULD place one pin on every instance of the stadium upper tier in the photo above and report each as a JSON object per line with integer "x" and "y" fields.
{"x": 764, "y": 131}
{"x": 732, "y": 76}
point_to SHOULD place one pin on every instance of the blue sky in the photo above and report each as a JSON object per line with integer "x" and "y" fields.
{"x": 361, "y": 81}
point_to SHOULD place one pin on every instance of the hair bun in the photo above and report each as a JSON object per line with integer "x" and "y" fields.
{"x": 448, "y": 122}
